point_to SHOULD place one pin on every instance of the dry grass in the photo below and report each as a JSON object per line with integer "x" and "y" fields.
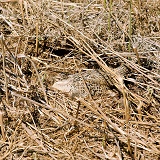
{"x": 42, "y": 41}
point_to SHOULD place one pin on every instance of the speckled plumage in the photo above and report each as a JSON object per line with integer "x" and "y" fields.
{"x": 79, "y": 84}
{"x": 93, "y": 82}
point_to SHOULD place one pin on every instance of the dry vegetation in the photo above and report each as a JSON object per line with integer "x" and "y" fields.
{"x": 43, "y": 41}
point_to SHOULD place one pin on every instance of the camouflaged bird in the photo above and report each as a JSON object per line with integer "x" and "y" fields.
{"x": 89, "y": 82}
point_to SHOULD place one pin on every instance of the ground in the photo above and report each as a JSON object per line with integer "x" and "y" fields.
{"x": 43, "y": 42}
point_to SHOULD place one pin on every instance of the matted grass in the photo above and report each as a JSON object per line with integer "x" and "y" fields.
{"x": 43, "y": 42}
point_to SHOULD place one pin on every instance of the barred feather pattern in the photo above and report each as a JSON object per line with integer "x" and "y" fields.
{"x": 93, "y": 82}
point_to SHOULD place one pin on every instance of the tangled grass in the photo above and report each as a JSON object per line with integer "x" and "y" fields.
{"x": 42, "y": 41}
